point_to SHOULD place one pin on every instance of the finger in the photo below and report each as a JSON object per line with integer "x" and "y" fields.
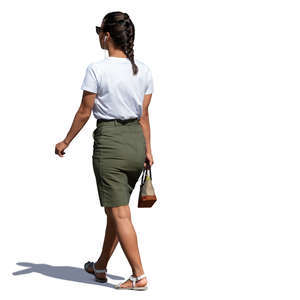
{"x": 60, "y": 153}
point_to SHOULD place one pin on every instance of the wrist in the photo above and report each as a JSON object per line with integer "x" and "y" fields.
{"x": 66, "y": 142}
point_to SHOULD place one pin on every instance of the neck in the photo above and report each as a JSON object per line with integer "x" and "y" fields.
{"x": 116, "y": 53}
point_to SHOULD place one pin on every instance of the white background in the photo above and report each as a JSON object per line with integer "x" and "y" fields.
{"x": 225, "y": 139}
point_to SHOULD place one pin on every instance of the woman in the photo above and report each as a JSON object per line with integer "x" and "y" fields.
{"x": 118, "y": 89}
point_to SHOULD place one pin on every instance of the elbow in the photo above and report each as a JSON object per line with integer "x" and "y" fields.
{"x": 145, "y": 116}
{"x": 84, "y": 115}
{"x": 144, "y": 119}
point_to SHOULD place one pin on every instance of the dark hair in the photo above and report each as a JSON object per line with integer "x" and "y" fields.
{"x": 121, "y": 30}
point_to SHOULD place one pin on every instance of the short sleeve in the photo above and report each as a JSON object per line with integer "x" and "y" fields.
{"x": 149, "y": 83}
{"x": 90, "y": 80}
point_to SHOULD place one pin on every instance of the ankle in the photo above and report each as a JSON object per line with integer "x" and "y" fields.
{"x": 137, "y": 274}
{"x": 100, "y": 265}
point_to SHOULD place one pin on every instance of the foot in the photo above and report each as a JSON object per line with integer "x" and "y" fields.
{"x": 101, "y": 275}
{"x": 139, "y": 283}
{"x": 89, "y": 268}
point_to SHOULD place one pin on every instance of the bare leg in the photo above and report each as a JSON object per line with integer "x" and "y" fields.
{"x": 127, "y": 237}
{"x": 109, "y": 244}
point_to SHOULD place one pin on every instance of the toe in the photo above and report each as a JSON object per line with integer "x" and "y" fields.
{"x": 126, "y": 284}
{"x": 89, "y": 267}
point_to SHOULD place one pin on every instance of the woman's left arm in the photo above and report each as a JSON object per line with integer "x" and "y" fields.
{"x": 81, "y": 117}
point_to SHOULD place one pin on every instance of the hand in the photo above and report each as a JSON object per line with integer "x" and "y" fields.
{"x": 149, "y": 158}
{"x": 60, "y": 147}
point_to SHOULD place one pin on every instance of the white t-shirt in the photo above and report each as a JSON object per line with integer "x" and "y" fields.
{"x": 120, "y": 94}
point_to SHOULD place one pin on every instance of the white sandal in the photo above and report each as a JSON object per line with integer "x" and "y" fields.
{"x": 133, "y": 287}
{"x": 99, "y": 271}
{"x": 86, "y": 266}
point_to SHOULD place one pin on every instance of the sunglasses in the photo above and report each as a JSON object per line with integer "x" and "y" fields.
{"x": 98, "y": 29}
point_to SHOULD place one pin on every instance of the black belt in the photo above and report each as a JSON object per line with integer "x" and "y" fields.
{"x": 118, "y": 120}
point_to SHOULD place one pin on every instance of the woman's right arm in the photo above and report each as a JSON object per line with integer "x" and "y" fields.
{"x": 80, "y": 119}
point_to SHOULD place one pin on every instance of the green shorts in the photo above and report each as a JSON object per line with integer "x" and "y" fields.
{"x": 119, "y": 153}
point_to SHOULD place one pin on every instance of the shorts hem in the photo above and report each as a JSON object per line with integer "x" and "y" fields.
{"x": 114, "y": 204}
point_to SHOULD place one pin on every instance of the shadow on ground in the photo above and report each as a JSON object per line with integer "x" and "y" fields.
{"x": 65, "y": 273}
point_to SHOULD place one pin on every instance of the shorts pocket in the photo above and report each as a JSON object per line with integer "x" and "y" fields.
{"x": 96, "y": 132}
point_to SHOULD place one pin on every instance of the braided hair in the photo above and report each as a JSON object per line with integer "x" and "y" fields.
{"x": 122, "y": 31}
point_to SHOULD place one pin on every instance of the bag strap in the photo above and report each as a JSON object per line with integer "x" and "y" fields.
{"x": 148, "y": 169}
{"x": 143, "y": 176}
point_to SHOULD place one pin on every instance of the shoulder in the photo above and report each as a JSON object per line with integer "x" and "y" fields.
{"x": 144, "y": 68}
{"x": 142, "y": 64}
{"x": 96, "y": 65}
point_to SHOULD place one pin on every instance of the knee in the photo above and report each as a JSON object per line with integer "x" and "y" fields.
{"x": 120, "y": 213}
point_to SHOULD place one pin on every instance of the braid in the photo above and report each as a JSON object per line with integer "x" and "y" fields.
{"x": 128, "y": 44}
{"x": 122, "y": 32}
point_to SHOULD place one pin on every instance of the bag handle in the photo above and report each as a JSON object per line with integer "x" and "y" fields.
{"x": 149, "y": 168}
{"x": 146, "y": 170}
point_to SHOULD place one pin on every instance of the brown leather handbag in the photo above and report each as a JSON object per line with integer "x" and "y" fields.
{"x": 147, "y": 195}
